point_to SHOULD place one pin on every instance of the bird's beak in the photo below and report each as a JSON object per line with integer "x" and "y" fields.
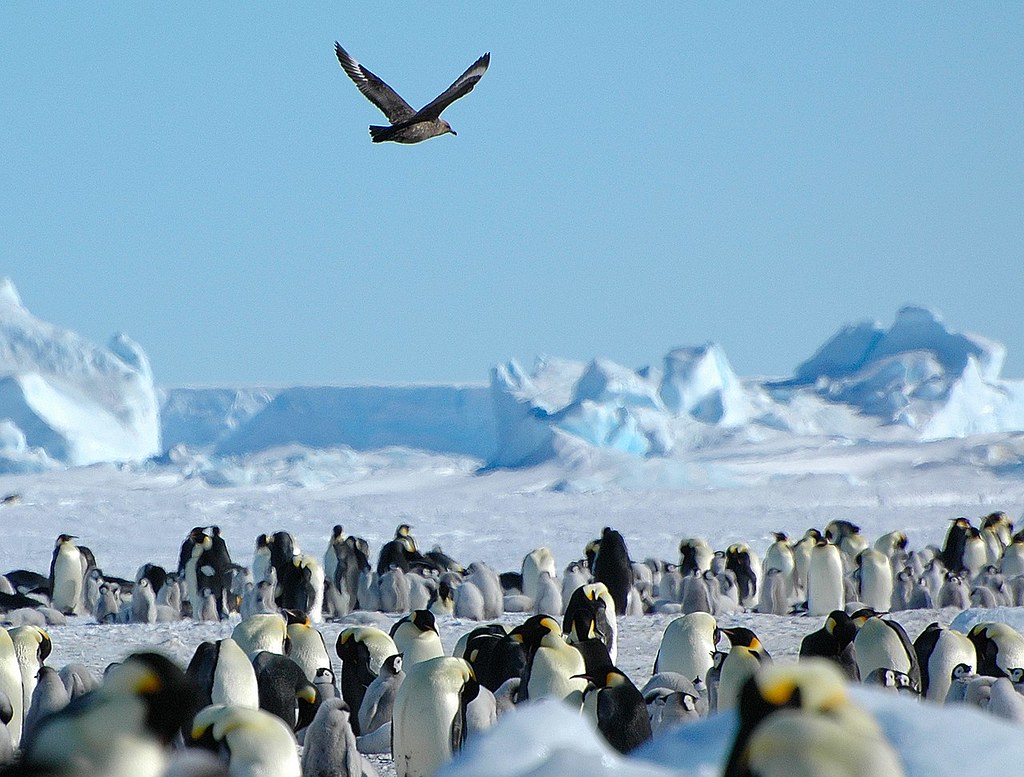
{"x": 456, "y": 134}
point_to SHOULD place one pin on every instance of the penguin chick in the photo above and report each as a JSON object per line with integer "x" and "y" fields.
{"x": 939, "y": 652}
{"x": 617, "y": 709}
{"x": 884, "y": 644}
{"x": 1000, "y": 648}
{"x": 49, "y": 696}
{"x": 329, "y": 747}
{"x": 795, "y": 720}
{"x": 891, "y": 680}
{"x": 258, "y": 742}
{"x": 379, "y": 701}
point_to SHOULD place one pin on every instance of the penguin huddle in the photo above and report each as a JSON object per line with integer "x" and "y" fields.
{"x": 272, "y": 686}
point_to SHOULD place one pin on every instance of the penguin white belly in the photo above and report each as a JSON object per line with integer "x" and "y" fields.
{"x": 10, "y": 683}
{"x": 876, "y": 582}
{"x": 67, "y": 580}
{"x": 737, "y": 668}
{"x": 951, "y": 649}
{"x": 687, "y": 645}
{"x": 1012, "y": 563}
{"x": 825, "y": 591}
{"x": 234, "y": 680}
{"x": 422, "y": 647}
{"x": 552, "y": 674}
{"x": 879, "y": 647}
{"x": 425, "y": 708}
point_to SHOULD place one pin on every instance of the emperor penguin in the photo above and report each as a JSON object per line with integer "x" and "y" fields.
{"x": 774, "y": 598}
{"x": 535, "y": 562}
{"x": 194, "y": 575}
{"x": 49, "y": 696}
{"x": 284, "y": 689}
{"x": 258, "y": 742}
{"x": 825, "y": 589}
{"x": 362, "y": 650}
{"x": 687, "y": 646}
{"x": 261, "y": 563}
{"x": 847, "y": 537}
{"x": 939, "y": 651}
{"x": 746, "y": 655}
{"x": 954, "y": 547}
{"x": 1012, "y": 562}
{"x": 494, "y": 654}
{"x": 222, "y": 674}
{"x": 999, "y": 648}
{"x": 834, "y": 642}
{"x": 32, "y": 646}
{"x": 416, "y": 638}
{"x": 744, "y": 563}
{"x": 884, "y": 644}
{"x": 143, "y": 602}
{"x": 612, "y": 566}
{"x": 874, "y": 579}
{"x": 795, "y": 720}
{"x": 894, "y": 546}
{"x": 261, "y": 632}
{"x": 590, "y": 614}
{"x": 395, "y": 590}
{"x": 148, "y": 696}
{"x": 379, "y": 701}
{"x": 802, "y": 557}
{"x": 306, "y": 646}
{"x": 1000, "y": 525}
{"x": 67, "y": 576}
{"x": 469, "y": 602}
{"x": 617, "y": 709}
{"x": 780, "y": 556}
{"x": 549, "y": 595}
{"x": 553, "y": 667}
{"x": 310, "y": 595}
{"x": 694, "y": 555}
{"x": 429, "y": 723}
{"x": 329, "y": 746}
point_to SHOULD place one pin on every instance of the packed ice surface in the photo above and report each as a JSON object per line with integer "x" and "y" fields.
{"x": 65, "y": 400}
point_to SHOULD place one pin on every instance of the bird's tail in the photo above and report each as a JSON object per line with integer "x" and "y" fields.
{"x": 380, "y": 134}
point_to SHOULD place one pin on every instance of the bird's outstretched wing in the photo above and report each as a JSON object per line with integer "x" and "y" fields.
{"x": 375, "y": 90}
{"x": 463, "y": 85}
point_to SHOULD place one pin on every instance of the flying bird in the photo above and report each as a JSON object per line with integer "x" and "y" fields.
{"x": 408, "y": 125}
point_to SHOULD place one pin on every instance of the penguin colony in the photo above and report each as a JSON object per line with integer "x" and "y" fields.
{"x": 245, "y": 704}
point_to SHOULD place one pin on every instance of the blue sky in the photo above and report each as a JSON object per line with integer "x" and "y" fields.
{"x": 625, "y": 180}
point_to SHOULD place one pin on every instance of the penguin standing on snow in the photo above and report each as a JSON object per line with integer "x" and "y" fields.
{"x": 494, "y": 655}
{"x": 999, "y": 648}
{"x": 884, "y": 644}
{"x": 952, "y": 555}
{"x": 617, "y": 709}
{"x": 379, "y": 701}
{"x": 590, "y": 614}
{"x": 362, "y": 650}
{"x": 745, "y": 657}
{"x": 222, "y": 674}
{"x": 874, "y": 579}
{"x": 825, "y": 587}
{"x": 743, "y": 563}
{"x": 308, "y": 596}
{"x": 939, "y": 651}
{"x": 834, "y": 642}
{"x": 613, "y": 568}
{"x": 694, "y": 556}
{"x": 284, "y": 690}
{"x": 32, "y": 646}
{"x": 687, "y": 645}
{"x": 553, "y": 667}
{"x": 67, "y": 576}
{"x": 430, "y": 723}
{"x": 329, "y": 746}
{"x": 416, "y": 637}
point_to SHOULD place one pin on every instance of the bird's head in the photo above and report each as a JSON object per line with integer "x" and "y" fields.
{"x": 448, "y": 128}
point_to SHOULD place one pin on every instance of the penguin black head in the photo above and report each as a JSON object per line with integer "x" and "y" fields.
{"x": 337, "y": 532}
{"x": 294, "y": 617}
{"x": 780, "y": 536}
{"x": 533, "y": 630}
{"x": 62, "y": 538}
{"x": 742, "y": 637}
{"x": 263, "y": 541}
{"x": 424, "y": 620}
{"x": 170, "y": 697}
{"x": 841, "y": 626}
